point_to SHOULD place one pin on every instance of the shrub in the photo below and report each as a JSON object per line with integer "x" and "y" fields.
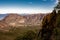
{"x": 29, "y": 35}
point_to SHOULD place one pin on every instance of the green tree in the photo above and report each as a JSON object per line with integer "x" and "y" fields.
{"x": 29, "y": 35}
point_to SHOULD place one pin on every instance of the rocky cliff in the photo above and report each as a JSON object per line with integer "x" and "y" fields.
{"x": 50, "y": 24}
{"x": 16, "y": 20}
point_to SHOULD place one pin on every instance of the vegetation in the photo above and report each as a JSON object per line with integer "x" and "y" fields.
{"x": 58, "y": 28}
{"x": 22, "y": 33}
{"x": 31, "y": 32}
{"x": 29, "y": 35}
{"x": 51, "y": 27}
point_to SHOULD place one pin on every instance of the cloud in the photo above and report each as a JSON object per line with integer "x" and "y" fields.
{"x": 24, "y": 10}
{"x": 56, "y": 1}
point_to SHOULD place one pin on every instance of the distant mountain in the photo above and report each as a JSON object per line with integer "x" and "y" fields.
{"x": 16, "y": 20}
{"x": 2, "y": 16}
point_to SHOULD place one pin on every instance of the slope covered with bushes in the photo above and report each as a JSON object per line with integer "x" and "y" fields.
{"x": 50, "y": 27}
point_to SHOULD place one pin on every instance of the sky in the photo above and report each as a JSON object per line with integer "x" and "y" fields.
{"x": 26, "y": 6}
{"x": 2, "y": 16}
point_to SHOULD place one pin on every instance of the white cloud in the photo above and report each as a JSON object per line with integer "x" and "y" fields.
{"x": 22, "y": 10}
{"x": 56, "y": 1}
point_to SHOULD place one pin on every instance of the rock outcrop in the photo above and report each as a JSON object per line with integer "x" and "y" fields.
{"x": 3, "y": 26}
{"x": 49, "y": 25}
{"x": 16, "y": 20}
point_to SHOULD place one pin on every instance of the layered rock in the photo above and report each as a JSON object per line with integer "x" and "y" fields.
{"x": 26, "y": 20}
{"x": 4, "y": 26}
{"x": 14, "y": 20}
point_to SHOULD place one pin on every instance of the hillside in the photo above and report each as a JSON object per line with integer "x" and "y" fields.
{"x": 11, "y": 21}
{"x": 26, "y": 20}
{"x": 13, "y": 26}
{"x": 50, "y": 27}
{"x": 50, "y": 23}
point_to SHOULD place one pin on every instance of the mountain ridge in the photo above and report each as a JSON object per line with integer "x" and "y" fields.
{"x": 16, "y": 20}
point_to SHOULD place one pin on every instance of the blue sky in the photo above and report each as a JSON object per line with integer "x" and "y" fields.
{"x": 26, "y": 6}
{"x": 27, "y": 3}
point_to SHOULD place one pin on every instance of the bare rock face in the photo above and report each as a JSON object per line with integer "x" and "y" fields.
{"x": 14, "y": 20}
{"x": 19, "y": 20}
{"x": 4, "y": 26}
{"x": 34, "y": 19}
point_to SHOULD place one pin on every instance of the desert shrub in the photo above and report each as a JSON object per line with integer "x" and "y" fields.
{"x": 29, "y": 35}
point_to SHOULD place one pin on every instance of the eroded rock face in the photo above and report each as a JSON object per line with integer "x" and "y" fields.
{"x": 14, "y": 20}
{"x": 34, "y": 19}
{"x": 18, "y": 20}
{"x": 4, "y": 26}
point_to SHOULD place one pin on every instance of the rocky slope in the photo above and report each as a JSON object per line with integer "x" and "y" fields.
{"x": 14, "y": 25}
{"x": 51, "y": 26}
{"x": 16, "y": 20}
{"x": 3, "y": 26}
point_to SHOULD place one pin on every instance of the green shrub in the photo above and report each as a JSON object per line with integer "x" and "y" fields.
{"x": 29, "y": 35}
{"x": 58, "y": 27}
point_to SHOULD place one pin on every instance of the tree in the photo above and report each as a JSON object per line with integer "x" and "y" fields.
{"x": 29, "y": 35}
